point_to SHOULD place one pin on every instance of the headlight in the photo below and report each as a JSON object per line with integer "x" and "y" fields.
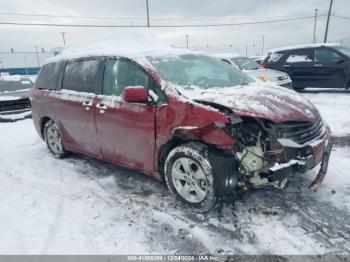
{"x": 282, "y": 78}
{"x": 263, "y": 78}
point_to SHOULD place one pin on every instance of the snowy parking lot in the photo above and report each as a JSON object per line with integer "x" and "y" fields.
{"x": 79, "y": 205}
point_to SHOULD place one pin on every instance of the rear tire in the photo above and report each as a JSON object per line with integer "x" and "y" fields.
{"x": 53, "y": 139}
{"x": 189, "y": 176}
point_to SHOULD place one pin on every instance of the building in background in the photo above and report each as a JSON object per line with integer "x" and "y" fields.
{"x": 17, "y": 62}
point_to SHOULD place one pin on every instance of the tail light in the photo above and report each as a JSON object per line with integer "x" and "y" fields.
{"x": 264, "y": 65}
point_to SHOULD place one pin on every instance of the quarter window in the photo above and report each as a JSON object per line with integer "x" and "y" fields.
{"x": 82, "y": 76}
{"x": 120, "y": 74}
{"x": 48, "y": 76}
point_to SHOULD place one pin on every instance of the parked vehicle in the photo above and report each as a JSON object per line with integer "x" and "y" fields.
{"x": 314, "y": 65}
{"x": 253, "y": 69}
{"x": 257, "y": 59}
{"x": 208, "y": 130}
{"x": 14, "y": 100}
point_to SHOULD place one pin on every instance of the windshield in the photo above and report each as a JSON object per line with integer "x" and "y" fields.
{"x": 245, "y": 63}
{"x": 343, "y": 49}
{"x": 13, "y": 86}
{"x": 200, "y": 71}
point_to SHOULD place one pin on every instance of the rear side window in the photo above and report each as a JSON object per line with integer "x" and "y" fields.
{"x": 298, "y": 56}
{"x": 48, "y": 76}
{"x": 120, "y": 74}
{"x": 82, "y": 76}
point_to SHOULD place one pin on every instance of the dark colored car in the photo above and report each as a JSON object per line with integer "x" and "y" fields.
{"x": 315, "y": 65}
{"x": 205, "y": 128}
{"x": 14, "y": 99}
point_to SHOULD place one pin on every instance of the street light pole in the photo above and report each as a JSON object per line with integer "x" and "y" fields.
{"x": 314, "y": 37}
{"x": 187, "y": 41}
{"x": 263, "y": 45}
{"x": 26, "y": 65}
{"x": 147, "y": 13}
{"x": 63, "y": 38}
{"x": 328, "y": 18}
{"x": 37, "y": 56}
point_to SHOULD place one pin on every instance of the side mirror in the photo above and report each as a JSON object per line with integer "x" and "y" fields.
{"x": 135, "y": 94}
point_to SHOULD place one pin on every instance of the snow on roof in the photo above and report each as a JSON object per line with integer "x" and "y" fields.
{"x": 134, "y": 43}
{"x": 226, "y": 55}
{"x": 302, "y": 46}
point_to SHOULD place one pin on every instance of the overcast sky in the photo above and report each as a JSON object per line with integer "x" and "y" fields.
{"x": 217, "y": 39}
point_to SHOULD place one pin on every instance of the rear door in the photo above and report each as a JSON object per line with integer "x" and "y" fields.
{"x": 74, "y": 109}
{"x": 330, "y": 68}
{"x": 299, "y": 65}
{"x": 126, "y": 130}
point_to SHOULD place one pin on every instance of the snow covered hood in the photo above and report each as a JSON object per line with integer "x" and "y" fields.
{"x": 268, "y": 102}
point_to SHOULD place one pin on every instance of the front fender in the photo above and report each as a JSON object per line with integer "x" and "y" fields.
{"x": 210, "y": 134}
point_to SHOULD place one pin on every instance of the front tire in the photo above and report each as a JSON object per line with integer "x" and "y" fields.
{"x": 53, "y": 139}
{"x": 189, "y": 176}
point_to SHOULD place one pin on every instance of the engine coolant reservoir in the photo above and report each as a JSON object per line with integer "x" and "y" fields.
{"x": 251, "y": 158}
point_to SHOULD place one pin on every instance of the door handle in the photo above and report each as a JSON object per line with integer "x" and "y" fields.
{"x": 87, "y": 104}
{"x": 319, "y": 65}
{"x": 102, "y": 107}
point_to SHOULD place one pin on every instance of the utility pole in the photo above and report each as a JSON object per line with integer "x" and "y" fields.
{"x": 328, "y": 17}
{"x": 314, "y": 38}
{"x": 246, "y": 50}
{"x": 187, "y": 41}
{"x": 263, "y": 45}
{"x": 63, "y": 38}
{"x": 147, "y": 13}
{"x": 37, "y": 56}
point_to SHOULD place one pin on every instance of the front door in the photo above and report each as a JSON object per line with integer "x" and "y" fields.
{"x": 126, "y": 130}
{"x": 74, "y": 107}
{"x": 330, "y": 68}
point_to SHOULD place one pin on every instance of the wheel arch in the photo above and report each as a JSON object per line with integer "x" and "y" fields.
{"x": 43, "y": 122}
{"x": 167, "y": 147}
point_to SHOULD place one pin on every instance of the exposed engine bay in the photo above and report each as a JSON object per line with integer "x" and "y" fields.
{"x": 262, "y": 159}
{"x": 253, "y": 153}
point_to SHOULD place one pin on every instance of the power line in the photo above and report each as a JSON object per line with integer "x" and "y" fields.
{"x": 341, "y": 17}
{"x": 143, "y": 18}
{"x": 158, "y": 26}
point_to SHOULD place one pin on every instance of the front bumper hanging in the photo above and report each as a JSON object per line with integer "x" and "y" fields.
{"x": 283, "y": 171}
{"x": 323, "y": 170}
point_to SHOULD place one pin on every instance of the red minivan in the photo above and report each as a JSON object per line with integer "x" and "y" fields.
{"x": 206, "y": 129}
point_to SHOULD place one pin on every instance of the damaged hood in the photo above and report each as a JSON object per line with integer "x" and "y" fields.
{"x": 273, "y": 103}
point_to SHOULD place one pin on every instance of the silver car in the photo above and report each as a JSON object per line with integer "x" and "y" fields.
{"x": 253, "y": 69}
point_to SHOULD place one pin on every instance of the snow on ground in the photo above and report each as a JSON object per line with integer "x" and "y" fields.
{"x": 334, "y": 106}
{"x": 83, "y": 206}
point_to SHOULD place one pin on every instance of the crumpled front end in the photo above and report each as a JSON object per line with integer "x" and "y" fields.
{"x": 269, "y": 153}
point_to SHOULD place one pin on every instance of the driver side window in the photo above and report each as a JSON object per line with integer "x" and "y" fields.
{"x": 325, "y": 55}
{"x": 122, "y": 73}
